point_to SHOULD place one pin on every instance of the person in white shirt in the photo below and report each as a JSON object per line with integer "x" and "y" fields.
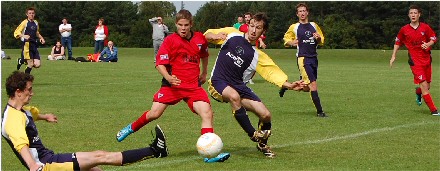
{"x": 66, "y": 38}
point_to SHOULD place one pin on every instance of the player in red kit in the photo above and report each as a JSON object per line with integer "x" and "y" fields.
{"x": 178, "y": 61}
{"x": 418, "y": 37}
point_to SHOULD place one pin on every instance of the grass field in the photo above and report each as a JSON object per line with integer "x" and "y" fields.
{"x": 374, "y": 122}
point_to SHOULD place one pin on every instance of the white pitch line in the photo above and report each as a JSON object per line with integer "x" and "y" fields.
{"x": 349, "y": 136}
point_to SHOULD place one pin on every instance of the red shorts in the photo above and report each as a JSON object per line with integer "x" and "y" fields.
{"x": 171, "y": 96}
{"x": 421, "y": 73}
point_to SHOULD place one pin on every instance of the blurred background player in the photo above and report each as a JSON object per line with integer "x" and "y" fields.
{"x": 236, "y": 63}
{"x": 160, "y": 31}
{"x": 240, "y": 21}
{"x": 29, "y": 32}
{"x": 418, "y": 37}
{"x": 178, "y": 61}
{"x": 21, "y": 133}
{"x": 306, "y": 36}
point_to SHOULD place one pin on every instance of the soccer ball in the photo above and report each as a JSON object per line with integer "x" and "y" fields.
{"x": 209, "y": 145}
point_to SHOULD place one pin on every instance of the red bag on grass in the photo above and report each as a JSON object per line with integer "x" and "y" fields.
{"x": 93, "y": 57}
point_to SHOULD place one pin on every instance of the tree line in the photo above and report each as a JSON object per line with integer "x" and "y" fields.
{"x": 345, "y": 24}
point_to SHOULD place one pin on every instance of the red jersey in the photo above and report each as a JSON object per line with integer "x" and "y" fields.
{"x": 244, "y": 28}
{"x": 182, "y": 58}
{"x": 413, "y": 40}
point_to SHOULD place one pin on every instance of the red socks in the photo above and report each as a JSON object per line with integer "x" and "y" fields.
{"x": 418, "y": 90}
{"x": 428, "y": 100}
{"x": 207, "y": 130}
{"x": 140, "y": 122}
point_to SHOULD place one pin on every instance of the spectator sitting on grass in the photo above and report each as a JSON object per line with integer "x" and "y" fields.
{"x": 112, "y": 53}
{"x": 57, "y": 52}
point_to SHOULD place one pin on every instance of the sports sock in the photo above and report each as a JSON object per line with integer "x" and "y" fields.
{"x": 428, "y": 100}
{"x": 140, "y": 122}
{"x": 316, "y": 101}
{"x": 418, "y": 91}
{"x": 28, "y": 70}
{"x": 132, "y": 156}
{"x": 243, "y": 119}
{"x": 264, "y": 126}
{"x": 206, "y": 130}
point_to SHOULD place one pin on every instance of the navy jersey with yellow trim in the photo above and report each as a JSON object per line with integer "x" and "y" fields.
{"x": 304, "y": 34}
{"x": 27, "y": 27}
{"x": 243, "y": 60}
{"x": 19, "y": 130}
{"x": 236, "y": 59}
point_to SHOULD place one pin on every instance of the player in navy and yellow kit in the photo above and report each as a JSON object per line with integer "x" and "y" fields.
{"x": 20, "y": 131}
{"x": 418, "y": 37}
{"x": 306, "y": 36}
{"x": 29, "y": 32}
{"x": 236, "y": 63}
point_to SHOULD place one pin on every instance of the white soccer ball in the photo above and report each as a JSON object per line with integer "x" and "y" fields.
{"x": 209, "y": 145}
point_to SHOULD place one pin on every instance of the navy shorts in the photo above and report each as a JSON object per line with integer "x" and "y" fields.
{"x": 30, "y": 51}
{"x": 66, "y": 161}
{"x": 308, "y": 69}
{"x": 216, "y": 88}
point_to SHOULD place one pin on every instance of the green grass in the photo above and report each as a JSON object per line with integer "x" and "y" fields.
{"x": 374, "y": 122}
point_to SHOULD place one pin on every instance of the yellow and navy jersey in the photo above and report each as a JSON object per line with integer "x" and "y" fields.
{"x": 238, "y": 60}
{"x": 19, "y": 130}
{"x": 27, "y": 27}
{"x": 304, "y": 34}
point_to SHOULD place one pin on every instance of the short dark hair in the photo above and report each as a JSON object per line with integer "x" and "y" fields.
{"x": 184, "y": 14}
{"x": 248, "y": 13}
{"x": 261, "y": 16}
{"x": 302, "y": 5}
{"x": 17, "y": 80}
{"x": 30, "y": 9}
{"x": 415, "y": 7}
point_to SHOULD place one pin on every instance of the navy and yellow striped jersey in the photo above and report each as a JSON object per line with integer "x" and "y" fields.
{"x": 240, "y": 60}
{"x": 304, "y": 33}
{"x": 19, "y": 130}
{"x": 27, "y": 27}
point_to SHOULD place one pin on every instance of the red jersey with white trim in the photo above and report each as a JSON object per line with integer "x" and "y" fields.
{"x": 413, "y": 40}
{"x": 182, "y": 58}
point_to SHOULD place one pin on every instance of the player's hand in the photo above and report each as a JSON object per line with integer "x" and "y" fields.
{"x": 294, "y": 43}
{"x": 51, "y": 118}
{"x": 202, "y": 78}
{"x": 298, "y": 85}
{"x": 262, "y": 45}
{"x": 173, "y": 80}
{"x": 36, "y": 167}
{"x": 26, "y": 37}
{"x": 425, "y": 45}
{"x": 316, "y": 36}
{"x": 393, "y": 57}
{"x": 42, "y": 41}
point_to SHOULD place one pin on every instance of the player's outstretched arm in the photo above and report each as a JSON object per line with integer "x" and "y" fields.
{"x": 48, "y": 117}
{"x": 218, "y": 36}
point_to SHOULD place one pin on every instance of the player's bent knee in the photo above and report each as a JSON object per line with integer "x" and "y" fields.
{"x": 266, "y": 116}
